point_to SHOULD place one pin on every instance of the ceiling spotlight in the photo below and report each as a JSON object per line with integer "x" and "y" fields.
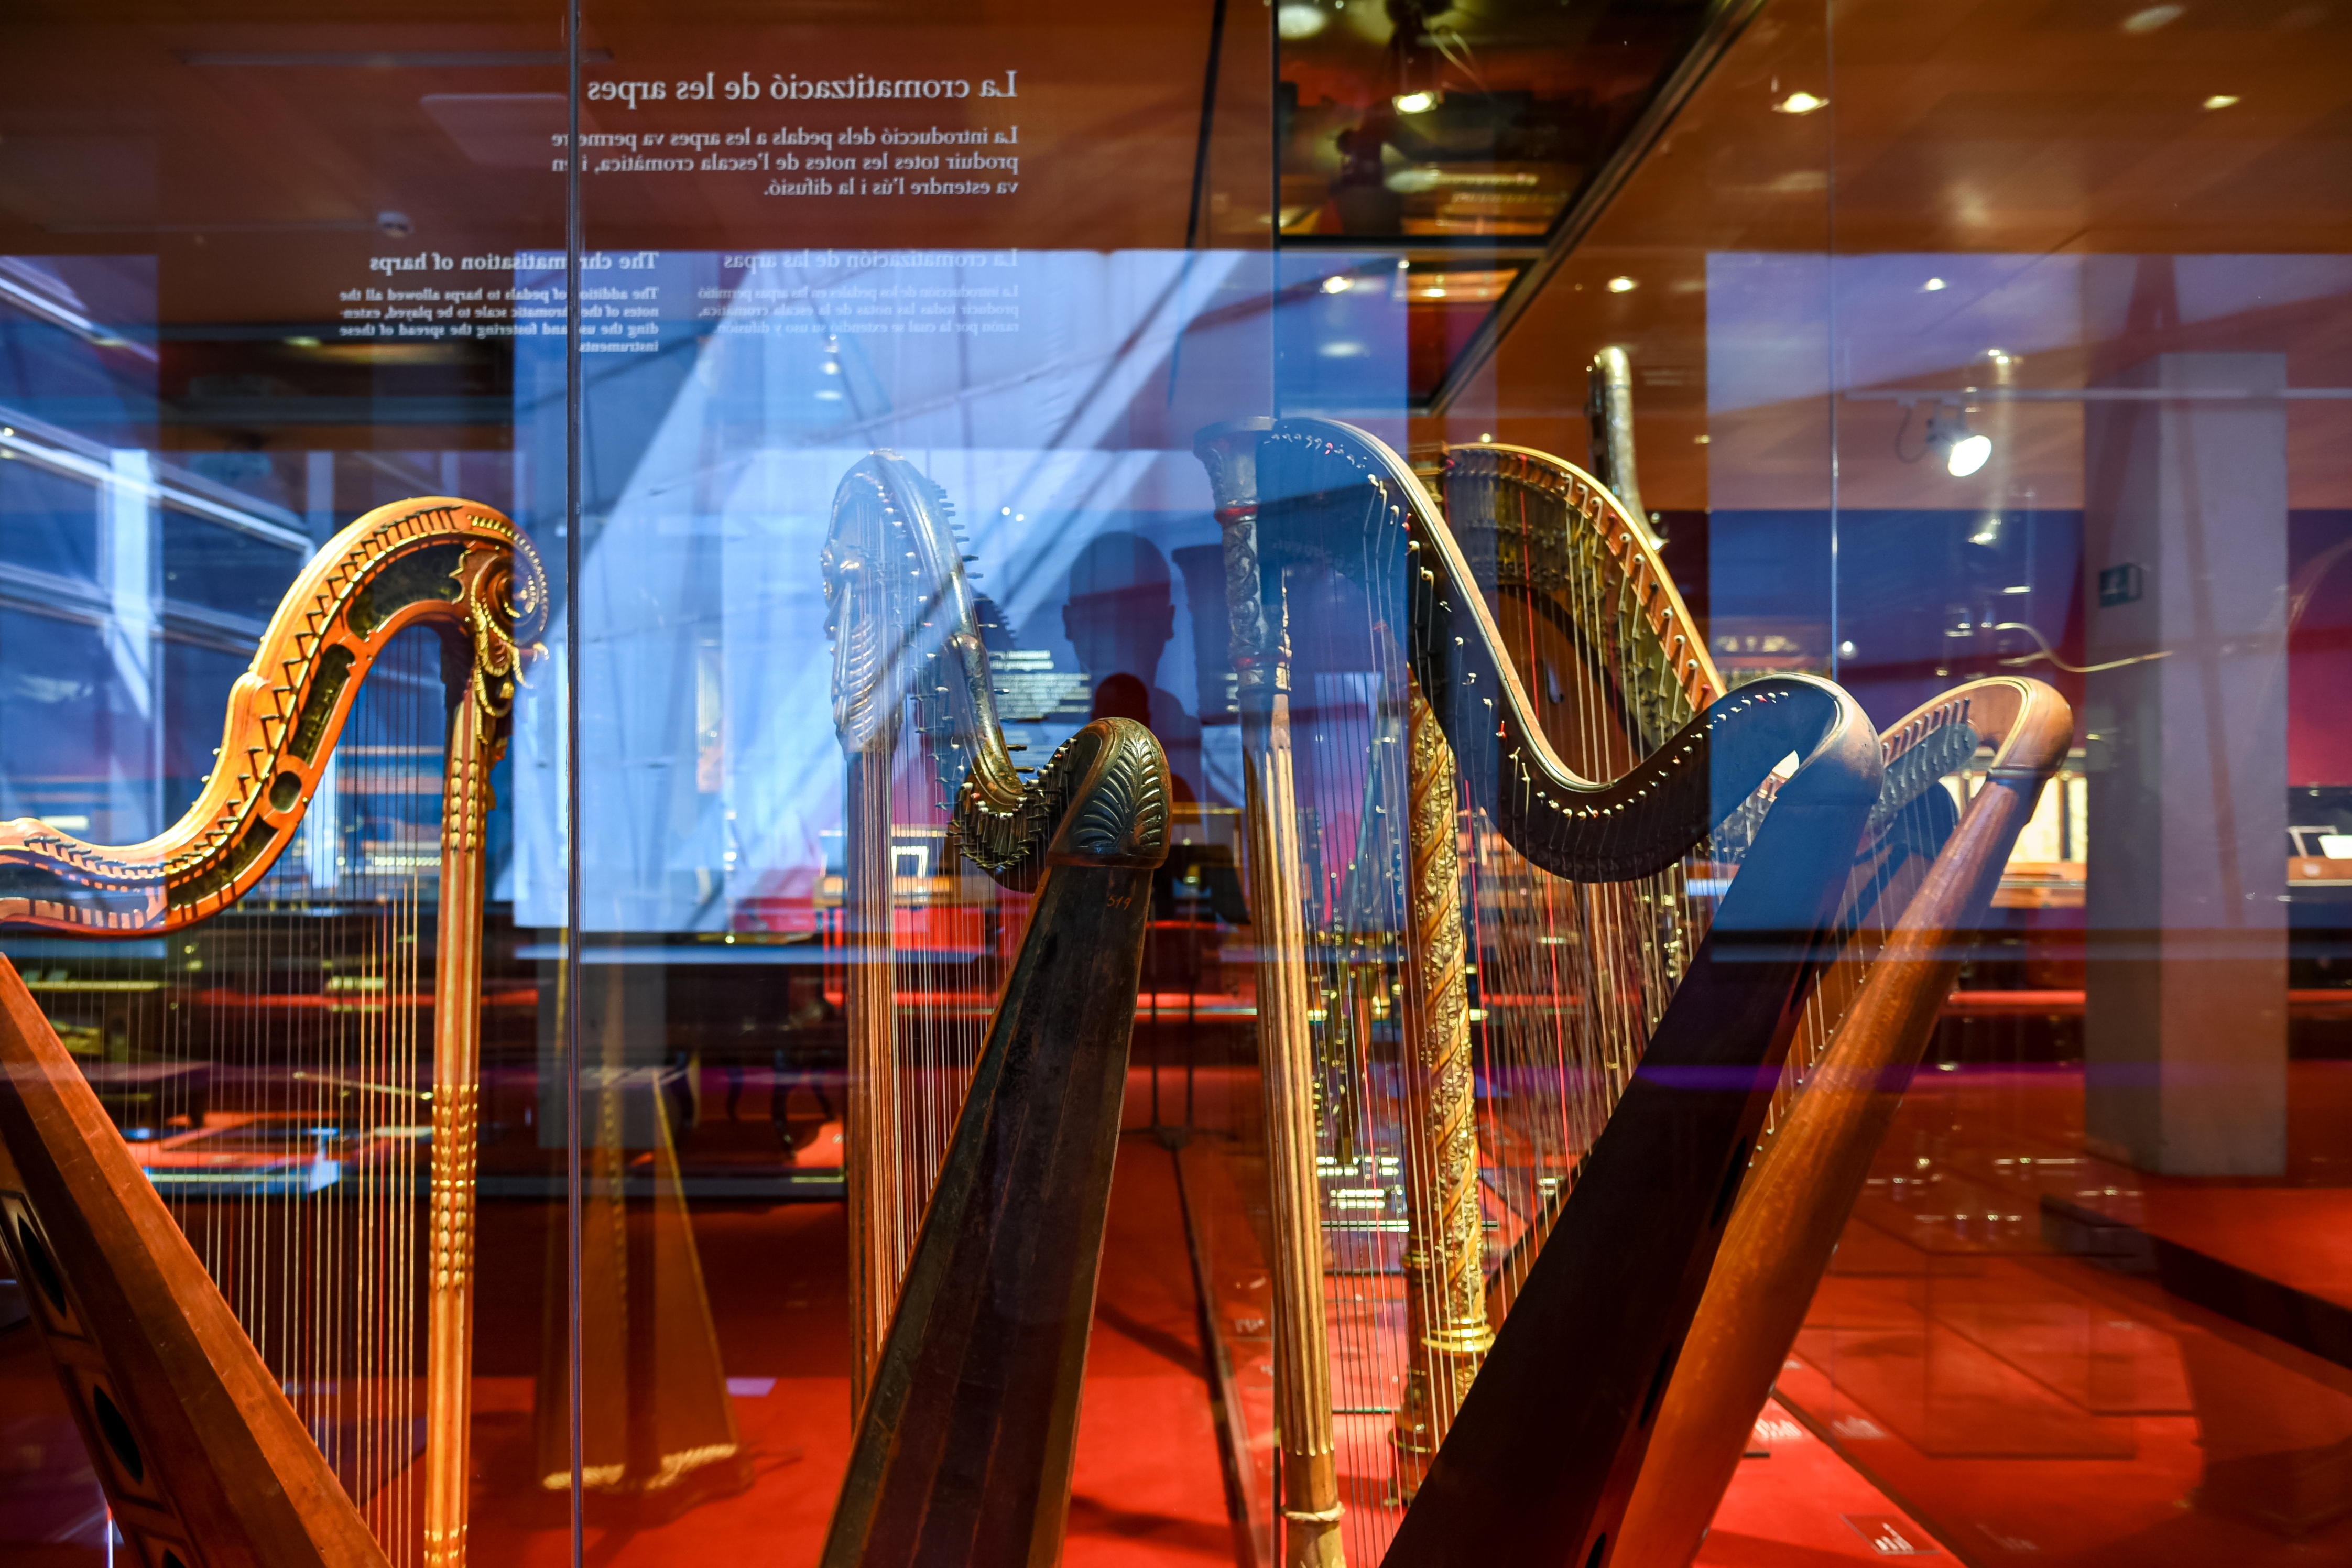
{"x": 1623, "y": 285}
{"x": 2221, "y": 101}
{"x": 1800, "y": 102}
{"x": 2153, "y": 17}
{"x": 1964, "y": 450}
{"x": 1336, "y": 284}
{"x": 1415, "y": 102}
{"x": 1933, "y": 285}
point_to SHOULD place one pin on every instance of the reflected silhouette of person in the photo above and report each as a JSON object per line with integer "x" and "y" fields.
{"x": 1120, "y": 617}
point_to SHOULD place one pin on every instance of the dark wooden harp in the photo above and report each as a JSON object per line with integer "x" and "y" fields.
{"x": 1917, "y": 884}
{"x": 122, "y": 1285}
{"x": 203, "y": 1459}
{"x": 1299, "y": 496}
{"x": 1878, "y": 1007}
{"x": 968, "y": 1418}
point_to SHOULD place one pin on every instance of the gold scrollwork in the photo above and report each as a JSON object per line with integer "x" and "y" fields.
{"x": 434, "y": 560}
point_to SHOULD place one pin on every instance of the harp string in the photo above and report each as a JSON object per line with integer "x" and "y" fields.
{"x": 1565, "y": 980}
{"x": 956, "y": 931}
{"x": 1577, "y": 975}
{"x": 290, "y": 1136}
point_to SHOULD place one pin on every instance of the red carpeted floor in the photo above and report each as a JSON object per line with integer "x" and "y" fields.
{"x": 1795, "y": 1504}
{"x": 1963, "y": 1388}
{"x": 1148, "y": 1487}
{"x": 2031, "y": 1403}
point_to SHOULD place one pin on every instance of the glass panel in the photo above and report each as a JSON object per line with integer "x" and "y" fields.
{"x": 2083, "y": 429}
{"x": 257, "y": 295}
{"x": 1504, "y": 464}
{"x": 894, "y": 294}
{"x": 1480, "y": 143}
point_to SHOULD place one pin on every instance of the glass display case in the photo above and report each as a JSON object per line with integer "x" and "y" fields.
{"x": 1302, "y": 784}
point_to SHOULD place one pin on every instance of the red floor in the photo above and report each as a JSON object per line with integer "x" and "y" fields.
{"x": 1803, "y": 1506}
{"x": 2033, "y": 1406}
{"x": 1147, "y": 1486}
{"x": 2299, "y": 1236}
{"x": 1961, "y": 1388}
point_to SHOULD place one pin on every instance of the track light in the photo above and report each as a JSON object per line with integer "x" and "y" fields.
{"x": 1964, "y": 450}
{"x": 1415, "y": 102}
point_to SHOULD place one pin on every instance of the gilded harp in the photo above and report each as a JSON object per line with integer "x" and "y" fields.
{"x": 1313, "y": 511}
{"x": 976, "y": 1253}
{"x": 1571, "y": 995}
{"x": 310, "y": 1131}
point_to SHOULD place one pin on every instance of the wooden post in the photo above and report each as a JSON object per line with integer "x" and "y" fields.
{"x": 1302, "y": 1357}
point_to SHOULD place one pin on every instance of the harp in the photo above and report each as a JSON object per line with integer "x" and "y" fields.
{"x": 203, "y": 1456}
{"x": 1920, "y": 884}
{"x": 1579, "y": 988}
{"x": 925, "y": 935}
{"x": 1303, "y": 501}
{"x": 974, "y": 1254}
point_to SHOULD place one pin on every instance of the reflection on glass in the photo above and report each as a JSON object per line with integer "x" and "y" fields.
{"x": 1372, "y": 414}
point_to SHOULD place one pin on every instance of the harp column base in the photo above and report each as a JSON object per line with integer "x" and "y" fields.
{"x": 1310, "y": 1482}
{"x": 457, "y": 1074}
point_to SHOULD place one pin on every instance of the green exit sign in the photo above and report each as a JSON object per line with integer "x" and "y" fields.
{"x": 2121, "y": 584}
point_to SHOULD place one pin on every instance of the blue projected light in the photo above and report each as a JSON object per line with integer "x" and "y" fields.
{"x": 727, "y": 396}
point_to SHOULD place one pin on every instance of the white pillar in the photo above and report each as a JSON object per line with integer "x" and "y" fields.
{"x": 2185, "y": 554}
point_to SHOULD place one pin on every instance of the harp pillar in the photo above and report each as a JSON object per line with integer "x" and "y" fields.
{"x": 1444, "y": 1278}
{"x": 1446, "y": 1331}
{"x": 1261, "y": 649}
{"x": 2185, "y": 557}
{"x": 456, "y": 1076}
{"x": 868, "y": 703}
{"x": 1609, "y": 410}
{"x": 870, "y": 1147}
